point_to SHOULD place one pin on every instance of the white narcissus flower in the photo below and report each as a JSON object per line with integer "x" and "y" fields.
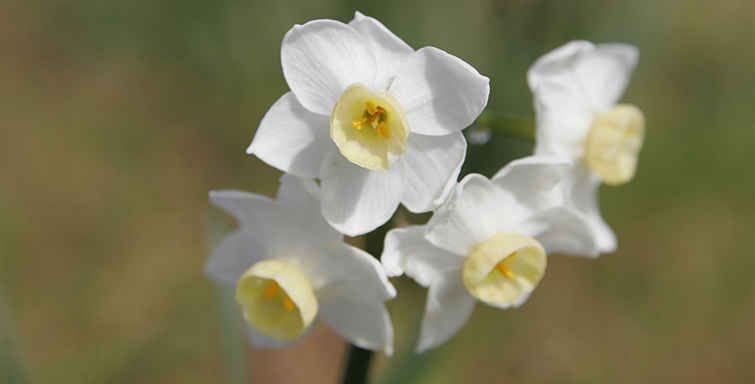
{"x": 576, "y": 89}
{"x": 488, "y": 243}
{"x": 377, "y": 122}
{"x": 289, "y": 266}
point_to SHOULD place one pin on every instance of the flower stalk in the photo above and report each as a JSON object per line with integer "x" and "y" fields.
{"x": 358, "y": 363}
{"x": 511, "y": 126}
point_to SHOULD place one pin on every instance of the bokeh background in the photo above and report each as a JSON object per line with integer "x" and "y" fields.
{"x": 117, "y": 118}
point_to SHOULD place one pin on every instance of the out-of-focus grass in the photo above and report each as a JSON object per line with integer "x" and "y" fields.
{"x": 116, "y": 118}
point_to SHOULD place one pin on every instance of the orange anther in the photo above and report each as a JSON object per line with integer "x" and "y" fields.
{"x": 371, "y": 108}
{"x": 271, "y": 291}
{"x": 288, "y": 303}
{"x": 383, "y": 130}
{"x": 372, "y": 119}
{"x": 505, "y": 270}
{"x": 359, "y": 123}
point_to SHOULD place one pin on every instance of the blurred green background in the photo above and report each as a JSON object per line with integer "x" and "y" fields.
{"x": 117, "y": 118}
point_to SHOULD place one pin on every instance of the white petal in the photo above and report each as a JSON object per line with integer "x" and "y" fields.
{"x": 449, "y": 306}
{"x": 432, "y": 169}
{"x": 367, "y": 326}
{"x": 556, "y": 66}
{"x": 390, "y": 51}
{"x": 440, "y": 93}
{"x": 570, "y": 85}
{"x": 305, "y": 225}
{"x": 234, "y": 255}
{"x": 605, "y": 73}
{"x": 563, "y": 121}
{"x": 535, "y": 183}
{"x": 585, "y": 198}
{"x": 291, "y": 138}
{"x": 407, "y": 250}
{"x": 323, "y": 57}
{"x": 259, "y": 340}
{"x": 473, "y": 214}
{"x": 356, "y": 200}
{"x": 564, "y": 113}
{"x": 562, "y": 230}
{"x": 256, "y": 214}
{"x": 342, "y": 273}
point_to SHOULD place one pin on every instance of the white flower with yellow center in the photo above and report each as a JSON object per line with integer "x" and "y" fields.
{"x": 377, "y": 122}
{"x": 289, "y": 266}
{"x": 576, "y": 89}
{"x": 488, "y": 243}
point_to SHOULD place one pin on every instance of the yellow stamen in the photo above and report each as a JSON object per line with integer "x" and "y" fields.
{"x": 359, "y": 123}
{"x": 288, "y": 303}
{"x": 371, "y": 120}
{"x": 374, "y": 111}
{"x": 383, "y": 131}
{"x": 372, "y": 108}
{"x": 505, "y": 270}
{"x": 360, "y": 142}
{"x": 271, "y": 291}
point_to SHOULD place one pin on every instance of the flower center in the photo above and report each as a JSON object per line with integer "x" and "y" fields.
{"x": 614, "y": 142}
{"x": 505, "y": 269}
{"x": 369, "y": 127}
{"x": 375, "y": 118}
{"x": 277, "y": 299}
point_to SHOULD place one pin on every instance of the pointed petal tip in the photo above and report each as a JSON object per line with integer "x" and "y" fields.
{"x": 391, "y": 291}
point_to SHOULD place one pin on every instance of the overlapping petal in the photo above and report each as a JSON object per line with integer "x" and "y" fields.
{"x": 584, "y": 194}
{"x": 571, "y": 84}
{"x": 364, "y": 325}
{"x": 432, "y": 168}
{"x": 255, "y": 214}
{"x": 535, "y": 183}
{"x": 305, "y": 226}
{"x": 406, "y": 250}
{"x": 234, "y": 255}
{"x": 349, "y": 285}
{"x": 291, "y": 138}
{"x": 323, "y": 57}
{"x": 389, "y": 49}
{"x": 563, "y": 121}
{"x": 339, "y": 272}
{"x": 564, "y": 230}
{"x": 471, "y": 216}
{"x": 449, "y": 306}
{"x": 605, "y": 73}
{"x": 556, "y": 67}
{"x": 356, "y": 200}
{"x": 440, "y": 93}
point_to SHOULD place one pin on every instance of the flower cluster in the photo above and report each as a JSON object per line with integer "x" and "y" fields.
{"x": 379, "y": 124}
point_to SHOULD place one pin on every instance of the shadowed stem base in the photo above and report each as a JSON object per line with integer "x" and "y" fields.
{"x": 357, "y": 366}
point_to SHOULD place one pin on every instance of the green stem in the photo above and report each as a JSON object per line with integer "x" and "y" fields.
{"x": 357, "y": 366}
{"x": 358, "y": 363}
{"x": 516, "y": 127}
